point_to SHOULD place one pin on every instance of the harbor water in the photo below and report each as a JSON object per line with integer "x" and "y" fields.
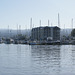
{"x": 37, "y": 59}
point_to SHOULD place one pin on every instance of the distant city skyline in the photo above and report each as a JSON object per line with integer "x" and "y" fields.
{"x": 19, "y": 12}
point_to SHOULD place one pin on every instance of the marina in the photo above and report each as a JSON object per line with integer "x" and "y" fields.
{"x": 37, "y": 37}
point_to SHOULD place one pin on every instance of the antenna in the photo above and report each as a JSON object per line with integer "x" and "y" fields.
{"x": 58, "y": 21}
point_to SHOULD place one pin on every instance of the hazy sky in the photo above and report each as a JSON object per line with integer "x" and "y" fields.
{"x": 13, "y": 12}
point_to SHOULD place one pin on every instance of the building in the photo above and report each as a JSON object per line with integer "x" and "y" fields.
{"x": 45, "y": 33}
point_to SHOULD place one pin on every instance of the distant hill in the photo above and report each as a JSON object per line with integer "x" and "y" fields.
{"x": 6, "y": 32}
{"x": 9, "y": 33}
{"x": 65, "y": 32}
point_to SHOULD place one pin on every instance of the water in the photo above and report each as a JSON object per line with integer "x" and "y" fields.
{"x": 37, "y": 59}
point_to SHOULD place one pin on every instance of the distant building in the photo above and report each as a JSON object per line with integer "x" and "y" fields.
{"x": 45, "y": 33}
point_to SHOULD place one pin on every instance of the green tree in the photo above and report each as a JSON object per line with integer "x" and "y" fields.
{"x": 73, "y": 33}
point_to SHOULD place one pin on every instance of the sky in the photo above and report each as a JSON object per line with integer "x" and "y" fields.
{"x": 19, "y": 12}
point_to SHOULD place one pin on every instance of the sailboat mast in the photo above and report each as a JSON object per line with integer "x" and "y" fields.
{"x": 30, "y": 23}
{"x": 17, "y": 29}
{"x": 40, "y": 23}
{"x": 48, "y": 22}
{"x": 20, "y": 29}
{"x": 8, "y": 30}
{"x": 59, "y": 26}
{"x": 58, "y": 21}
{"x": 72, "y": 23}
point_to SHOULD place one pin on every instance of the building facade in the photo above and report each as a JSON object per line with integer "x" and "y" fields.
{"x": 44, "y": 33}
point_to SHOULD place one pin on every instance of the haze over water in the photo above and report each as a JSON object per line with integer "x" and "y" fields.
{"x": 37, "y": 59}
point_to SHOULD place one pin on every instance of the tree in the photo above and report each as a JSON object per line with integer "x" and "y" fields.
{"x": 73, "y": 33}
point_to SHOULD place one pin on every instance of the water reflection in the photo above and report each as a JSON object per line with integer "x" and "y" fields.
{"x": 14, "y": 60}
{"x": 46, "y": 60}
{"x": 73, "y": 59}
{"x": 66, "y": 60}
{"x": 37, "y": 59}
